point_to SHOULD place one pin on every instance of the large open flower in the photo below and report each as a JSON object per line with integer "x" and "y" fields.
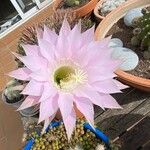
{"x": 67, "y": 70}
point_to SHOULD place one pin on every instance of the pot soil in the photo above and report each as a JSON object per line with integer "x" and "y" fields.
{"x": 81, "y": 10}
{"x": 62, "y": 5}
{"x": 121, "y": 31}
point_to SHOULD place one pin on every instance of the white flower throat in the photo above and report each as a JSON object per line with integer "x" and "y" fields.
{"x": 67, "y": 78}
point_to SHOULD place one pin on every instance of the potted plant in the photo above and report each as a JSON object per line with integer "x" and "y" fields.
{"x": 84, "y": 137}
{"x": 63, "y": 75}
{"x": 12, "y": 96}
{"x": 104, "y": 7}
{"x": 106, "y": 27}
{"x": 80, "y": 7}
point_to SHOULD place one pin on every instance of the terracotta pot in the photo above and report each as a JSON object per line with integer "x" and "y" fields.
{"x": 96, "y": 10}
{"x": 105, "y": 26}
{"x": 81, "y": 11}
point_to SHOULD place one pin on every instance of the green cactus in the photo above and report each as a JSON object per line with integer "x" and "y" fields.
{"x": 12, "y": 91}
{"x": 73, "y": 3}
{"x": 142, "y": 33}
{"x": 56, "y": 139}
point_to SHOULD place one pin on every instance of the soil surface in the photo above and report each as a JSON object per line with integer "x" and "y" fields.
{"x": 62, "y": 5}
{"x": 121, "y": 31}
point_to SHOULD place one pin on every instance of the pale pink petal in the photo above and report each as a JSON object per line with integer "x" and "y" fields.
{"x": 88, "y": 35}
{"x": 47, "y": 123}
{"x": 85, "y": 106}
{"x": 92, "y": 54}
{"x": 49, "y": 35}
{"x": 97, "y": 74}
{"x": 33, "y": 88}
{"x": 75, "y": 39}
{"x": 48, "y": 108}
{"x": 106, "y": 86}
{"x": 105, "y": 66}
{"x": 97, "y": 48}
{"x": 67, "y": 46}
{"x": 31, "y": 50}
{"x": 65, "y": 29}
{"x": 47, "y": 49}
{"x": 28, "y": 102}
{"x": 62, "y": 44}
{"x": 41, "y": 75}
{"x": 61, "y": 47}
{"x": 102, "y": 72}
{"x": 109, "y": 101}
{"x": 105, "y": 42}
{"x": 96, "y": 58}
{"x": 39, "y": 32}
{"x": 34, "y": 63}
{"x": 65, "y": 103}
{"x": 89, "y": 93}
{"x": 48, "y": 92}
{"x": 21, "y": 74}
{"x": 70, "y": 123}
{"x": 77, "y": 28}
{"x": 120, "y": 85}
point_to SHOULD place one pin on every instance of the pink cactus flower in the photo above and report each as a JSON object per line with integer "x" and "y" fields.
{"x": 67, "y": 70}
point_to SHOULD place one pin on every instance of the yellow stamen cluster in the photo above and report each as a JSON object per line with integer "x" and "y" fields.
{"x": 68, "y": 77}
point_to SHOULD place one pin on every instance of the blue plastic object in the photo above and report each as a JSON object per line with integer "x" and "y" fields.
{"x": 98, "y": 133}
{"x": 87, "y": 126}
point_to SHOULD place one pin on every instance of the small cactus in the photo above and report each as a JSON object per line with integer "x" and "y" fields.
{"x": 12, "y": 91}
{"x": 109, "y": 5}
{"x": 73, "y": 3}
{"x": 141, "y": 33}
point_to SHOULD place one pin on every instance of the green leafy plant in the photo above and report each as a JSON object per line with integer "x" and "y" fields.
{"x": 142, "y": 33}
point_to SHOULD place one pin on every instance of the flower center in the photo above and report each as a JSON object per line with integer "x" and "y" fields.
{"x": 67, "y": 78}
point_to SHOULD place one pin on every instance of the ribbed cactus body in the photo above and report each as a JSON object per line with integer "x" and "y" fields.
{"x": 144, "y": 25}
{"x": 12, "y": 90}
{"x": 142, "y": 33}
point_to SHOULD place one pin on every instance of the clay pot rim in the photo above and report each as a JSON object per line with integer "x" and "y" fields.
{"x": 141, "y": 83}
{"x": 135, "y": 79}
{"x": 80, "y": 9}
{"x": 96, "y": 13}
{"x": 84, "y": 6}
{"x": 99, "y": 4}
